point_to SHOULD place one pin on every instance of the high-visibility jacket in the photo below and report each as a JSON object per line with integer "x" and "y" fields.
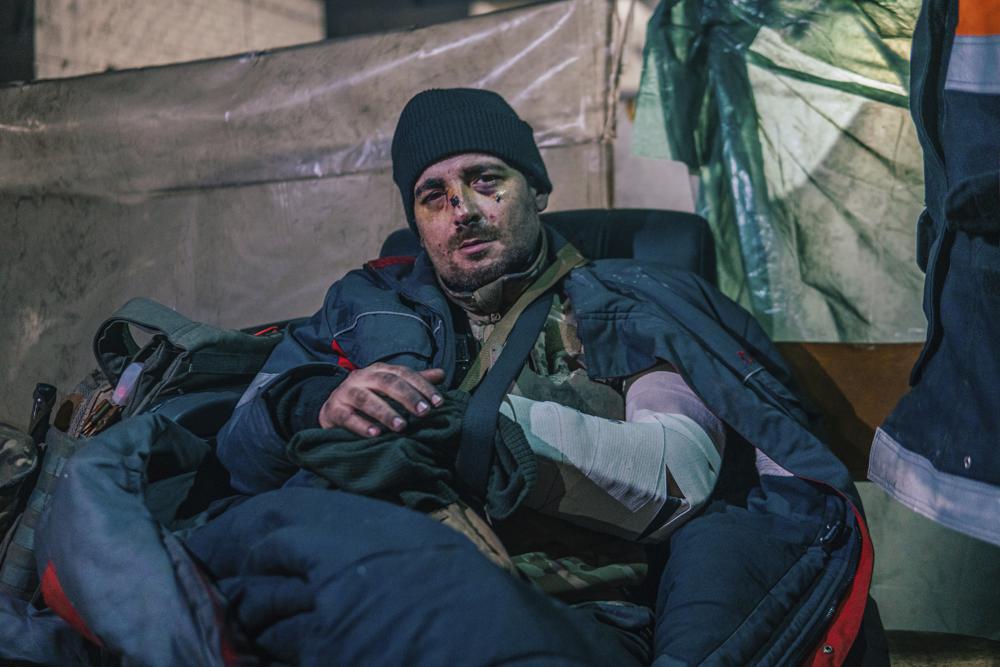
{"x": 937, "y": 452}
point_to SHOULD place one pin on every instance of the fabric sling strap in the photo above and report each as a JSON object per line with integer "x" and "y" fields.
{"x": 515, "y": 335}
{"x": 567, "y": 259}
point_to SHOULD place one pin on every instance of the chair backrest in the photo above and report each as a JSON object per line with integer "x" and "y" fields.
{"x": 673, "y": 238}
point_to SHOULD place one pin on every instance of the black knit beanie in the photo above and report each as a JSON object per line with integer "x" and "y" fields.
{"x": 439, "y": 123}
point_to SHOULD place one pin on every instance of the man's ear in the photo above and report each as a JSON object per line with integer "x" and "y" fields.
{"x": 541, "y": 201}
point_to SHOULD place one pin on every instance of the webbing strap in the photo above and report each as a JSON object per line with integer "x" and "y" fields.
{"x": 475, "y": 452}
{"x": 210, "y": 349}
{"x": 514, "y": 336}
{"x": 567, "y": 259}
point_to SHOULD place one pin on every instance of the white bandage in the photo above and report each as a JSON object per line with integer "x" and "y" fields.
{"x": 666, "y": 392}
{"x": 599, "y": 473}
{"x": 611, "y": 476}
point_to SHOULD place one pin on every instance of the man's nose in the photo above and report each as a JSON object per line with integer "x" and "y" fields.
{"x": 463, "y": 207}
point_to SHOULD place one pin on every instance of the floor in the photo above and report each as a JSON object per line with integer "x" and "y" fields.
{"x": 924, "y": 649}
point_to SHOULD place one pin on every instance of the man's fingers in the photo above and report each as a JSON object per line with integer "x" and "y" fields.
{"x": 433, "y": 376}
{"x": 371, "y": 405}
{"x": 401, "y": 389}
{"x": 424, "y": 382}
{"x": 358, "y": 404}
{"x": 336, "y": 414}
{"x": 358, "y": 425}
{"x": 408, "y": 388}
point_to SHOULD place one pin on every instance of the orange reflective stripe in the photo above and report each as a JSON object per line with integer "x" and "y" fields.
{"x": 978, "y": 17}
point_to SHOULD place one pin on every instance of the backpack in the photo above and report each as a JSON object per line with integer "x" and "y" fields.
{"x": 178, "y": 357}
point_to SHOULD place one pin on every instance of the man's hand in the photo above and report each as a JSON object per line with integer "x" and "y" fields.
{"x": 358, "y": 403}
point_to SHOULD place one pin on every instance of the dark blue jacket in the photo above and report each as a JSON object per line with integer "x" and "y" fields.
{"x": 936, "y": 453}
{"x": 777, "y": 576}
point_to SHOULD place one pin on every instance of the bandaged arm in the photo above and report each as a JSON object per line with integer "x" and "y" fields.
{"x": 617, "y": 477}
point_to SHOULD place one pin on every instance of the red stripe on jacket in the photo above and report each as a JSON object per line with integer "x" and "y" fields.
{"x": 389, "y": 261}
{"x": 342, "y": 359}
{"x": 840, "y": 636}
{"x": 56, "y": 598}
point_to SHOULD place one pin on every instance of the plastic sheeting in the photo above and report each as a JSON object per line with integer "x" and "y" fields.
{"x": 929, "y": 578}
{"x": 794, "y": 114}
{"x": 237, "y": 190}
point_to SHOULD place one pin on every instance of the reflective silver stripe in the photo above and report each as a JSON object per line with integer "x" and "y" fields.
{"x": 379, "y": 312}
{"x": 254, "y": 388}
{"x": 974, "y": 66}
{"x": 965, "y": 505}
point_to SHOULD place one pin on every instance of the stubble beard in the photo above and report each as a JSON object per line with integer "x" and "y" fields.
{"x": 514, "y": 260}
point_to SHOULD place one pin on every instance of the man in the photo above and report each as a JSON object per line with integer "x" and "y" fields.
{"x": 636, "y": 383}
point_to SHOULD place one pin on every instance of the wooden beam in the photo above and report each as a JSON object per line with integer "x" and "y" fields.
{"x": 855, "y": 387}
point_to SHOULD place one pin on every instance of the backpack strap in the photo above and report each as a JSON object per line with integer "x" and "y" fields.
{"x": 210, "y": 350}
{"x": 18, "y": 571}
{"x": 182, "y": 356}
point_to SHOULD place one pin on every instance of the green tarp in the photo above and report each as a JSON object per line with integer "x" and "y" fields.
{"x": 794, "y": 115}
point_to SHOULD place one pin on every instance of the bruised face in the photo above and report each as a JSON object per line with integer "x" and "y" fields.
{"x": 478, "y": 219}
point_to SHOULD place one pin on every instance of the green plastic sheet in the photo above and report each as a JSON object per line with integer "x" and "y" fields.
{"x": 794, "y": 115}
{"x": 929, "y": 578}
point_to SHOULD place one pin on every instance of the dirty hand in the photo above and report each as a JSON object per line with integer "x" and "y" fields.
{"x": 358, "y": 404}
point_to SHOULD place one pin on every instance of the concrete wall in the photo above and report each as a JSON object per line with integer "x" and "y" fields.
{"x": 82, "y": 37}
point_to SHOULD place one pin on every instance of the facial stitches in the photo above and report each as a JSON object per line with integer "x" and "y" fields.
{"x": 478, "y": 219}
